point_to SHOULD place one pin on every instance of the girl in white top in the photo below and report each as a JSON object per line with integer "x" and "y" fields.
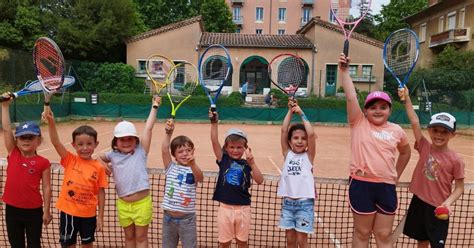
{"x": 296, "y": 185}
{"x": 128, "y": 164}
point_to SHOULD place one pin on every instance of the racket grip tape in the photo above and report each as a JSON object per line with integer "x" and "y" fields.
{"x": 346, "y": 50}
{"x": 213, "y": 111}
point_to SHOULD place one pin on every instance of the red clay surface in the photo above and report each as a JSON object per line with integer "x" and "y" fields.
{"x": 332, "y": 146}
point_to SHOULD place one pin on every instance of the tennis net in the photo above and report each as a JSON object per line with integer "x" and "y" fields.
{"x": 333, "y": 219}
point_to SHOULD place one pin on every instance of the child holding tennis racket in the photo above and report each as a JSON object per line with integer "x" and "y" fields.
{"x": 233, "y": 183}
{"x": 127, "y": 160}
{"x": 25, "y": 209}
{"x": 431, "y": 184}
{"x": 296, "y": 185}
{"x": 179, "y": 200}
{"x": 83, "y": 187}
{"x": 374, "y": 167}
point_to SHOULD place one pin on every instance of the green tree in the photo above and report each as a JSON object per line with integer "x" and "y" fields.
{"x": 217, "y": 16}
{"x": 20, "y": 24}
{"x": 391, "y": 16}
{"x": 157, "y": 13}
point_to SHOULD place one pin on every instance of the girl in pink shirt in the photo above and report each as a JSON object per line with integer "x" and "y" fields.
{"x": 374, "y": 167}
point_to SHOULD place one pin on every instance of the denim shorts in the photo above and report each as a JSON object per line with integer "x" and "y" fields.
{"x": 297, "y": 214}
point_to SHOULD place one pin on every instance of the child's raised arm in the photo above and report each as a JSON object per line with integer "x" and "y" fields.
{"x": 165, "y": 147}
{"x": 7, "y": 129}
{"x": 311, "y": 136}
{"x": 53, "y": 132}
{"x": 284, "y": 129}
{"x": 353, "y": 108}
{"x": 216, "y": 146}
{"x": 414, "y": 120}
{"x": 150, "y": 122}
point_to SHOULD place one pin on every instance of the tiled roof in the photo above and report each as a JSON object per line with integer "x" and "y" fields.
{"x": 256, "y": 40}
{"x": 163, "y": 29}
{"x": 337, "y": 28}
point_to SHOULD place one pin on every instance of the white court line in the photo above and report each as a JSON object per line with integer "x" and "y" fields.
{"x": 274, "y": 165}
{"x": 332, "y": 237}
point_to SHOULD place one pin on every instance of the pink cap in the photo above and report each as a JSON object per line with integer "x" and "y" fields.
{"x": 377, "y": 95}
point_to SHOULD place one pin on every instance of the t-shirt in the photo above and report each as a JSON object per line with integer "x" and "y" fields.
{"x": 434, "y": 173}
{"x": 297, "y": 179}
{"x": 234, "y": 181}
{"x": 374, "y": 150}
{"x": 22, "y": 187}
{"x": 82, "y": 181}
{"x": 129, "y": 171}
{"x": 180, "y": 189}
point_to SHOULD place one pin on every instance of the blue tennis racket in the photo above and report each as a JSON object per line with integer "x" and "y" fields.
{"x": 214, "y": 69}
{"x": 400, "y": 54}
{"x": 36, "y": 87}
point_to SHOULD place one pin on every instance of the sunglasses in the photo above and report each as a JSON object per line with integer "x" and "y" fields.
{"x": 27, "y": 137}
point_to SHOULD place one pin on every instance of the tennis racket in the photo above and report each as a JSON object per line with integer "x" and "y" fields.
{"x": 214, "y": 67}
{"x": 287, "y": 71}
{"x": 400, "y": 54}
{"x": 157, "y": 68}
{"x": 36, "y": 87}
{"x": 49, "y": 66}
{"x": 349, "y": 13}
{"x": 182, "y": 81}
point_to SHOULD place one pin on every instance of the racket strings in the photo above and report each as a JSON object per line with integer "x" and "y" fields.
{"x": 158, "y": 68}
{"x": 401, "y": 52}
{"x": 184, "y": 83}
{"x": 288, "y": 72}
{"x": 215, "y": 69}
{"x": 350, "y": 11}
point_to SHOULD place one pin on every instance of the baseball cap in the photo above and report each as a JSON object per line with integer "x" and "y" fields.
{"x": 28, "y": 127}
{"x": 443, "y": 119}
{"x": 125, "y": 128}
{"x": 238, "y": 132}
{"x": 377, "y": 95}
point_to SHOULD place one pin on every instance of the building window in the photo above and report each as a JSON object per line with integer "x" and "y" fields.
{"x": 441, "y": 24}
{"x": 141, "y": 66}
{"x": 306, "y": 15}
{"x": 367, "y": 71}
{"x": 282, "y": 14}
{"x": 236, "y": 14}
{"x": 237, "y": 30}
{"x": 259, "y": 14}
{"x": 281, "y": 31}
{"x": 353, "y": 70}
{"x": 462, "y": 15}
{"x": 423, "y": 32}
{"x": 258, "y": 31}
{"x": 332, "y": 17}
{"x": 452, "y": 20}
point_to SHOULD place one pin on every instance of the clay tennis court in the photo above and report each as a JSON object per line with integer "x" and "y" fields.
{"x": 333, "y": 227}
{"x": 332, "y": 146}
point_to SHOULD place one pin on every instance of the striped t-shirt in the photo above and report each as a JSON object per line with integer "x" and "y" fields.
{"x": 180, "y": 189}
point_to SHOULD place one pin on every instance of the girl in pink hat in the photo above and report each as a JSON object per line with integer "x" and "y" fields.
{"x": 374, "y": 165}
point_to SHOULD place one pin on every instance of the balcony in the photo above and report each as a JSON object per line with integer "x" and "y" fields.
{"x": 238, "y": 20}
{"x": 237, "y": 2}
{"x": 363, "y": 78}
{"x": 452, "y": 36}
{"x": 307, "y": 3}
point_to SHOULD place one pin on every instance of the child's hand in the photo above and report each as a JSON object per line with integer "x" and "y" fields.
{"x": 403, "y": 93}
{"x": 8, "y": 96}
{"x": 213, "y": 117}
{"x": 291, "y": 103}
{"x": 156, "y": 101}
{"x": 47, "y": 218}
{"x": 344, "y": 62}
{"x": 249, "y": 156}
{"x": 191, "y": 160}
{"x": 47, "y": 115}
{"x": 169, "y": 126}
{"x": 296, "y": 109}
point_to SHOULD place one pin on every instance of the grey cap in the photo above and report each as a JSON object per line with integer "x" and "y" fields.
{"x": 238, "y": 132}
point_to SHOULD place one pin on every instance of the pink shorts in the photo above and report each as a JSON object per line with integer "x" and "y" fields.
{"x": 233, "y": 222}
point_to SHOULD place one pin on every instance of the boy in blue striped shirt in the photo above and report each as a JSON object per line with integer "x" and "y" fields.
{"x": 182, "y": 176}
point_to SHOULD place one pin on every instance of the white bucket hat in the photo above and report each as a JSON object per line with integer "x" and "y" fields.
{"x": 125, "y": 128}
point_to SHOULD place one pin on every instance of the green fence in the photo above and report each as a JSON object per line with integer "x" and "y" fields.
{"x": 231, "y": 114}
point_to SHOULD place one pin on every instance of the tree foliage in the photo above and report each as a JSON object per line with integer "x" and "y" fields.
{"x": 157, "y": 13}
{"x": 392, "y": 16}
{"x": 217, "y": 16}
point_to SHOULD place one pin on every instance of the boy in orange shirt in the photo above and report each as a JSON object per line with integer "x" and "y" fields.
{"x": 83, "y": 185}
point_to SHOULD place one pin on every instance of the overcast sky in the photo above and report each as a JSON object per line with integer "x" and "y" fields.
{"x": 377, "y": 5}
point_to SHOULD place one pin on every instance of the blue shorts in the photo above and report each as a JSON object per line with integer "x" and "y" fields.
{"x": 371, "y": 198}
{"x": 70, "y": 225}
{"x": 297, "y": 214}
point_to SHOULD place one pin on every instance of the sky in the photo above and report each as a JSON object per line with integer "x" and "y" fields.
{"x": 377, "y": 5}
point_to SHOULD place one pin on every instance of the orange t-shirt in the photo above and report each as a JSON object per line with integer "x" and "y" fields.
{"x": 81, "y": 183}
{"x": 374, "y": 150}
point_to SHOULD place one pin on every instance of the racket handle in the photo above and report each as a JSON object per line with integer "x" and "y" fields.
{"x": 346, "y": 50}
{"x": 401, "y": 93}
{"x": 11, "y": 95}
{"x": 214, "y": 116}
